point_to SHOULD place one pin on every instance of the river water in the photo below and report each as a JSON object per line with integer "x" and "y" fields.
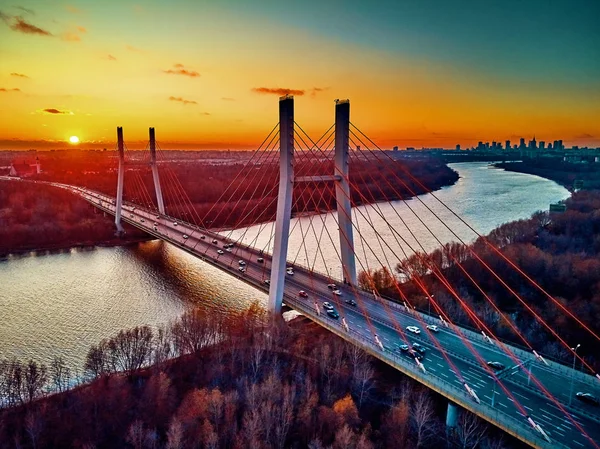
{"x": 60, "y": 304}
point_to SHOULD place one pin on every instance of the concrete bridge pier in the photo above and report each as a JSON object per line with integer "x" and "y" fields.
{"x": 451, "y": 417}
{"x": 121, "y": 174}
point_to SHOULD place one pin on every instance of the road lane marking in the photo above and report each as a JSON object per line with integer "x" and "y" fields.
{"x": 577, "y": 442}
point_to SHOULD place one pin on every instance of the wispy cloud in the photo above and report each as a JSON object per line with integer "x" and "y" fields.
{"x": 180, "y": 70}
{"x": 19, "y": 75}
{"x": 74, "y": 35}
{"x": 584, "y": 136}
{"x": 281, "y": 91}
{"x": 25, "y": 10}
{"x": 134, "y": 49}
{"x": 182, "y": 100}
{"x": 17, "y": 23}
{"x": 55, "y": 111}
{"x": 14, "y": 89}
{"x": 111, "y": 58}
{"x": 317, "y": 90}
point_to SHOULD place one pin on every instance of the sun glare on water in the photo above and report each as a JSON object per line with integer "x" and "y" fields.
{"x": 74, "y": 139}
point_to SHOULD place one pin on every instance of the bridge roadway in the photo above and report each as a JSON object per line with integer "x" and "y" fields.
{"x": 494, "y": 405}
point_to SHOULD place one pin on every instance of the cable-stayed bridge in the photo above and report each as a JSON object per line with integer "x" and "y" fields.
{"x": 530, "y": 397}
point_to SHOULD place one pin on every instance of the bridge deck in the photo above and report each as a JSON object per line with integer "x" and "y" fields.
{"x": 438, "y": 376}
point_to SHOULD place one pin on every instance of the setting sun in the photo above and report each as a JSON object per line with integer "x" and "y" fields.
{"x": 74, "y": 139}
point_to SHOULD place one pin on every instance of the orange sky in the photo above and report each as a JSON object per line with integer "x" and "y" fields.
{"x": 210, "y": 80}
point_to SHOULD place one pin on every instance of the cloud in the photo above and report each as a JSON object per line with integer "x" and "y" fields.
{"x": 204, "y": 113}
{"x": 19, "y": 24}
{"x": 19, "y": 75}
{"x": 316, "y": 90}
{"x": 111, "y": 58}
{"x": 72, "y": 9}
{"x": 71, "y": 37}
{"x": 179, "y": 70}
{"x": 25, "y": 10}
{"x": 14, "y": 89}
{"x": 281, "y": 91}
{"x": 135, "y": 49}
{"x": 55, "y": 111}
{"x": 182, "y": 100}
{"x": 584, "y": 136}
{"x": 227, "y": 99}
{"x": 81, "y": 30}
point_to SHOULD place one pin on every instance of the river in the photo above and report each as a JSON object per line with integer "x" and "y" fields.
{"x": 61, "y": 303}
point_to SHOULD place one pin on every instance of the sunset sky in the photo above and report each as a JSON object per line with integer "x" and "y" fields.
{"x": 208, "y": 73}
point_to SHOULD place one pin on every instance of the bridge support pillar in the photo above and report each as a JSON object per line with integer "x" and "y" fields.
{"x": 284, "y": 202}
{"x": 451, "y": 417}
{"x": 121, "y": 174}
{"x": 157, "y": 189}
{"x": 342, "y": 190}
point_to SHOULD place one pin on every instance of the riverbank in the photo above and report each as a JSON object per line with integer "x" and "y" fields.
{"x": 562, "y": 173}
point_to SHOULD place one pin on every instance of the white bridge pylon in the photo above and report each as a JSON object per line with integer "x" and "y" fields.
{"x": 286, "y": 186}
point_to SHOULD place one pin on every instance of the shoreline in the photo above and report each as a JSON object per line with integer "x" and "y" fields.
{"x": 57, "y": 249}
{"x": 561, "y": 177}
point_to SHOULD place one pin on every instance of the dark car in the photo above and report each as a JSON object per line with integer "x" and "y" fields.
{"x": 420, "y": 349}
{"x": 333, "y": 314}
{"x": 587, "y": 398}
{"x": 496, "y": 365}
{"x": 414, "y": 354}
{"x": 260, "y": 260}
{"x": 351, "y": 302}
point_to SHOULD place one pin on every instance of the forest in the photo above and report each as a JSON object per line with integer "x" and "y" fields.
{"x": 244, "y": 382}
{"x": 560, "y": 251}
{"x": 217, "y": 192}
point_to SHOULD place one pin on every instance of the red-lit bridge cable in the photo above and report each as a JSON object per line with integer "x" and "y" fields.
{"x": 511, "y": 290}
{"x": 493, "y": 247}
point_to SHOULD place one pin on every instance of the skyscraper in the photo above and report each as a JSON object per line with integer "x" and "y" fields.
{"x": 522, "y": 143}
{"x": 507, "y": 145}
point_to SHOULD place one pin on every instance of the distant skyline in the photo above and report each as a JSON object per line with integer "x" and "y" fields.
{"x": 207, "y": 74}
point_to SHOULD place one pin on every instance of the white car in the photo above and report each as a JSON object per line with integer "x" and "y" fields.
{"x": 220, "y": 251}
{"x": 327, "y": 306}
{"x": 242, "y": 263}
{"x": 433, "y": 328}
{"x": 185, "y": 236}
{"x": 290, "y": 271}
{"x": 242, "y": 269}
{"x": 174, "y": 223}
{"x": 228, "y": 249}
{"x": 336, "y": 292}
{"x": 413, "y": 329}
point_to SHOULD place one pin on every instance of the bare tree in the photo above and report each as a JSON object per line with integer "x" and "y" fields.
{"x": 423, "y": 418}
{"x": 33, "y": 426}
{"x": 136, "y": 434}
{"x": 470, "y": 430}
{"x": 362, "y": 381}
{"x": 175, "y": 435}
{"x": 60, "y": 373}
{"x": 344, "y": 438}
{"x": 131, "y": 349}
{"x": 194, "y": 330}
{"x": 35, "y": 379}
{"x": 96, "y": 360}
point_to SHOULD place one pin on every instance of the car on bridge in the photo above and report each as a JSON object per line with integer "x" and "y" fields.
{"x": 158, "y": 217}
{"x": 242, "y": 269}
{"x": 413, "y": 329}
{"x": 337, "y": 292}
{"x": 131, "y": 215}
{"x": 229, "y": 250}
{"x": 333, "y": 314}
{"x": 328, "y": 306}
{"x": 290, "y": 271}
{"x": 267, "y": 281}
{"x": 214, "y": 241}
{"x": 403, "y": 348}
{"x": 587, "y": 398}
{"x": 420, "y": 349}
{"x": 174, "y": 223}
{"x": 496, "y": 365}
{"x": 303, "y": 294}
{"x": 414, "y": 354}
{"x": 220, "y": 251}
{"x": 155, "y": 228}
{"x": 332, "y": 286}
{"x": 141, "y": 220}
{"x": 241, "y": 262}
{"x": 185, "y": 236}
{"x": 260, "y": 260}
{"x": 433, "y": 328}
{"x": 351, "y": 302}
{"x": 202, "y": 237}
